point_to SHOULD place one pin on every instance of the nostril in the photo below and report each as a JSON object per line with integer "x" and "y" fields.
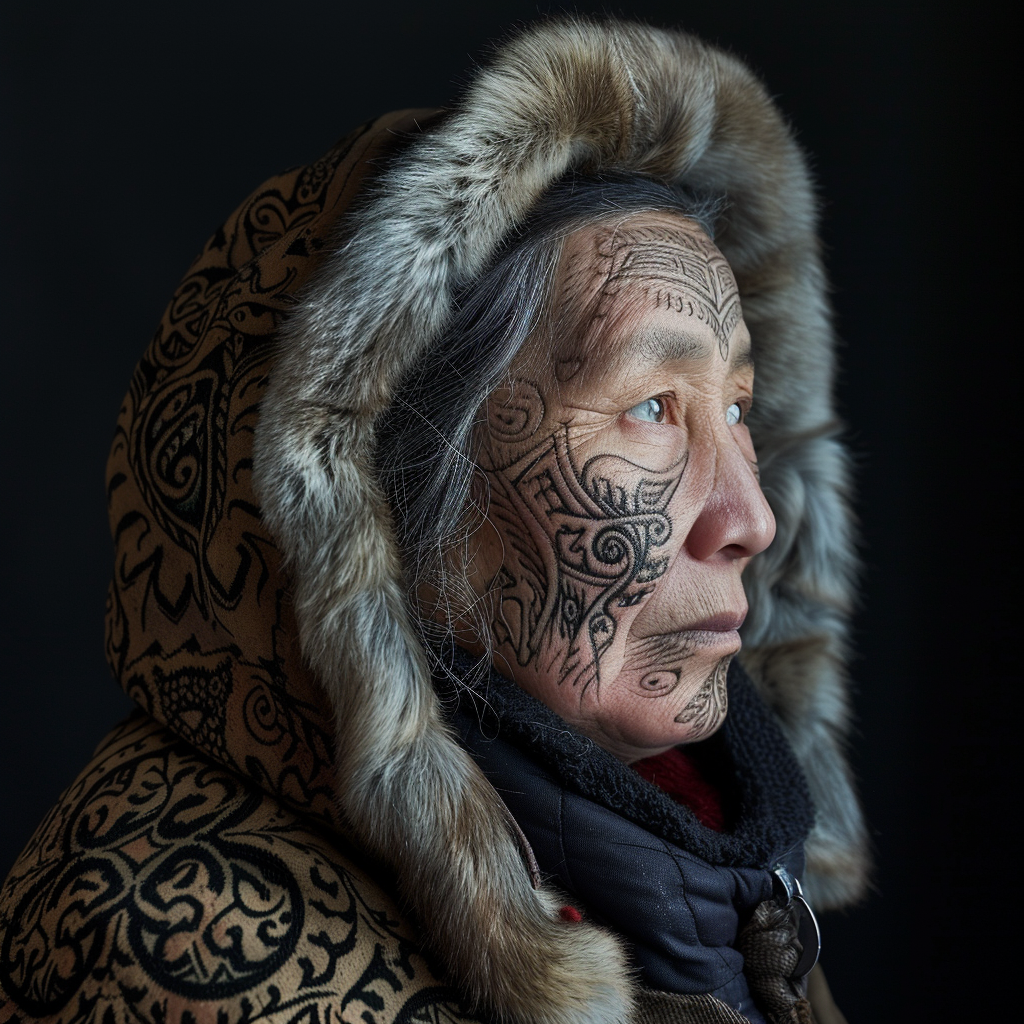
{"x": 736, "y": 521}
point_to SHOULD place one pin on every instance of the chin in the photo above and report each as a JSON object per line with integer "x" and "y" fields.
{"x": 706, "y": 709}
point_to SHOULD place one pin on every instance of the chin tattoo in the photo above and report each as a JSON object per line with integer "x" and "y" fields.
{"x": 655, "y": 664}
{"x": 706, "y": 709}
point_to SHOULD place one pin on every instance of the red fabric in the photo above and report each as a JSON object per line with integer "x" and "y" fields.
{"x": 677, "y": 774}
{"x": 570, "y": 915}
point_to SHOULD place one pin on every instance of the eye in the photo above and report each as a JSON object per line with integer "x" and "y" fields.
{"x": 650, "y": 410}
{"x": 734, "y": 414}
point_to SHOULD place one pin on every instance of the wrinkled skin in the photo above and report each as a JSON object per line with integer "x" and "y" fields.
{"x": 619, "y": 493}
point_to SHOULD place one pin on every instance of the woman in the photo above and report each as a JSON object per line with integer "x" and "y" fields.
{"x": 509, "y": 425}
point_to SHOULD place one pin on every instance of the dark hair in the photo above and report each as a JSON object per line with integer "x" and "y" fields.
{"x": 425, "y": 445}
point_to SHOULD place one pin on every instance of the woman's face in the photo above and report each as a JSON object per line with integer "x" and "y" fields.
{"x": 622, "y": 495}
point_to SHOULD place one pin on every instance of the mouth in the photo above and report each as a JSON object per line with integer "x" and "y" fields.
{"x": 718, "y": 631}
{"x": 722, "y": 622}
{"x": 716, "y": 634}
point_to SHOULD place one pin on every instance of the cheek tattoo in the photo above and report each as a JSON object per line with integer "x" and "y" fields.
{"x": 581, "y": 543}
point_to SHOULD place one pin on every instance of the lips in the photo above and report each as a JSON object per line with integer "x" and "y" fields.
{"x": 711, "y": 628}
{"x": 722, "y": 622}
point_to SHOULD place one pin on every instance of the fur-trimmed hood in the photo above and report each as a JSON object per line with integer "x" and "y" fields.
{"x": 264, "y": 449}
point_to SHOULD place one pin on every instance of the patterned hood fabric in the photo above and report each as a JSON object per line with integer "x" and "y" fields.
{"x": 198, "y": 868}
{"x": 212, "y": 863}
{"x": 200, "y": 631}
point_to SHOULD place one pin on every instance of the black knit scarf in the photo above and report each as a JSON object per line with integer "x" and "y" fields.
{"x": 768, "y": 805}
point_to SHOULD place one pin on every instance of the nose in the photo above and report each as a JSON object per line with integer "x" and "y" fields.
{"x": 736, "y": 521}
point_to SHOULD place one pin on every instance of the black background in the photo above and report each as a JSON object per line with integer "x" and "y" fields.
{"x": 129, "y": 132}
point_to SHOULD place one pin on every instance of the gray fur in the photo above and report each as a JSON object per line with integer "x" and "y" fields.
{"x": 564, "y": 96}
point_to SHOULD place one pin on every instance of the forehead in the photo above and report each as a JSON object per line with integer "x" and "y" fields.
{"x": 619, "y": 279}
{"x": 641, "y": 247}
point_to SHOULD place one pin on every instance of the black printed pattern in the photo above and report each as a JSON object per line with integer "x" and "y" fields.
{"x": 199, "y": 871}
{"x": 161, "y": 880}
{"x": 200, "y": 629}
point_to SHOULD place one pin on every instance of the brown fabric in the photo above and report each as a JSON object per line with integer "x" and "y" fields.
{"x": 200, "y": 630}
{"x": 164, "y": 888}
{"x": 174, "y": 877}
{"x": 771, "y": 952}
{"x": 670, "y": 1008}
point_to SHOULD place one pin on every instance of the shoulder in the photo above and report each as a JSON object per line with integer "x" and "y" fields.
{"x": 162, "y": 884}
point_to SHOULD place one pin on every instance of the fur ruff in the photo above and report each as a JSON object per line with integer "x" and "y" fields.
{"x": 565, "y": 95}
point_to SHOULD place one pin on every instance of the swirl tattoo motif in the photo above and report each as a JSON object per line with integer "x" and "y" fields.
{"x": 656, "y": 663}
{"x": 581, "y": 543}
{"x": 519, "y": 417}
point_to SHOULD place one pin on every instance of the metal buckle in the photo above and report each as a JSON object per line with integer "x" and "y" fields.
{"x": 789, "y": 893}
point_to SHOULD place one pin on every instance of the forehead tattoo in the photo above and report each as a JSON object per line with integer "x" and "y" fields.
{"x": 677, "y": 269}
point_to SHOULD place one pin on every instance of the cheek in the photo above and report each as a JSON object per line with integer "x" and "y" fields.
{"x": 695, "y": 486}
{"x": 658, "y": 506}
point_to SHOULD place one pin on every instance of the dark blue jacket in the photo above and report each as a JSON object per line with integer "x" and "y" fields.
{"x": 627, "y": 854}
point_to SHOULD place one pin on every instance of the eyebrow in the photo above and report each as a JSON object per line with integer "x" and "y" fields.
{"x": 667, "y": 347}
